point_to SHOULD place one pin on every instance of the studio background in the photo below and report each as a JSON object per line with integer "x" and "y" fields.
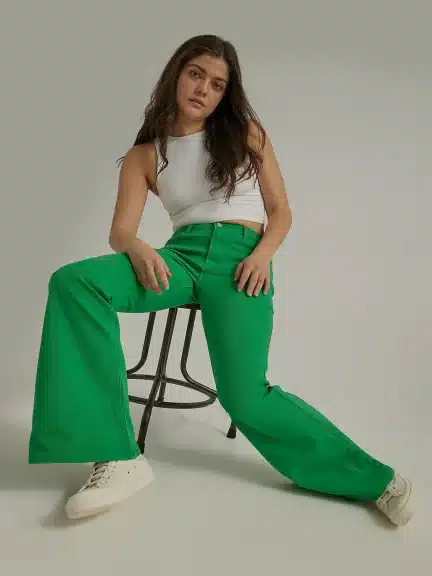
{"x": 344, "y": 90}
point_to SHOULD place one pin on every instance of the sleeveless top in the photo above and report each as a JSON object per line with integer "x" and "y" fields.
{"x": 184, "y": 189}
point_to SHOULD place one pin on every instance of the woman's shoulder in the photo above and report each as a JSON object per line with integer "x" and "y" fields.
{"x": 145, "y": 156}
{"x": 146, "y": 149}
{"x": 257, "y": 136}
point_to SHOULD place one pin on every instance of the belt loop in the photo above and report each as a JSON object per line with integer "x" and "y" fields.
{"x": 189, "y": 228}
{"x": 243, "y": 231}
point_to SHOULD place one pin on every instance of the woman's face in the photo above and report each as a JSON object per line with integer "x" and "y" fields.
{"x": 201, "y": 86}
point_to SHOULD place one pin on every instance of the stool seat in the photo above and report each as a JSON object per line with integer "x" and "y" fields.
{"x": 160, "y": 379}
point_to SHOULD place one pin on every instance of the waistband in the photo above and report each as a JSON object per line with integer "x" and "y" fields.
{"x": 235, "y": 230}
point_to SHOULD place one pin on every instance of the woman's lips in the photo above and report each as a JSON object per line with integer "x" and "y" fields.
{"x": 196, "y": 101}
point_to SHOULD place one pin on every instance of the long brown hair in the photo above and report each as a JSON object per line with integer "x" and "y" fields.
{"x": 227, "y": 128}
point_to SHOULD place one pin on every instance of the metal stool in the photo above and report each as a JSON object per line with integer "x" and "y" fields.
{"x": 160, "y": 379}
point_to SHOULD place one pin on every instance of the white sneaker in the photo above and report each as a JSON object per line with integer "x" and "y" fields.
{"x": 395, "y": 502}
{"x": 109, "y": 483}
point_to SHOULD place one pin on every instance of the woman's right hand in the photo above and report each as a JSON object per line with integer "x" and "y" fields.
{"x": 149, "y": 266}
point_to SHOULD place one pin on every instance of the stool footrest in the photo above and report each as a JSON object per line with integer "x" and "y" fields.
{"x": 197, "y": 386}
{"x": 166, "y": 404}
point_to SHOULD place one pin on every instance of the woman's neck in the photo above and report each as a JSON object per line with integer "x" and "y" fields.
{"x": 184, "y": 127}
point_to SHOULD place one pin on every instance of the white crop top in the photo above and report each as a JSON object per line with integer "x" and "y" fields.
{"x": 184, "y": 189}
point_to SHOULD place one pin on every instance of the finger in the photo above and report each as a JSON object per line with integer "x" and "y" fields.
{"x": 162, "y": 275}
{"x": 238, "y": 271}
{"x": 258, "y": 287}
{"x": 152, "y": 280}
{"x": 167, "y": 270}
{"x": 243, "y": 278}
{"x": 252, "y": 283}
{"x": 266, "y": 285}
{"x": 144, "y": 281}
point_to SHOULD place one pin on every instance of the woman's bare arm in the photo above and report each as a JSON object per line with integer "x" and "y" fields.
{"x": 150, "y": 268}
{"x": 132, "y": 195}
{"x": 274, "y": 196}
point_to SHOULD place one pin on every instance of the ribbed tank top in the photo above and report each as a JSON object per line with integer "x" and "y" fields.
{"x": 184, "y": 189}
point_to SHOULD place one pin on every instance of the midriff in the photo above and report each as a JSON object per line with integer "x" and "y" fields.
{"x": 257, "y": 226}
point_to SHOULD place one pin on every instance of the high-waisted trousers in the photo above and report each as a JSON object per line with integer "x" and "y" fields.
{"x": 81, "y": 408}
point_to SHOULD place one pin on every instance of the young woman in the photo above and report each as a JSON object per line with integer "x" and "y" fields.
{"x": 204, "y": 153}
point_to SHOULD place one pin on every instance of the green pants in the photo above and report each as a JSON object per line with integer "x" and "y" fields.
{"x": 81, "y": 409}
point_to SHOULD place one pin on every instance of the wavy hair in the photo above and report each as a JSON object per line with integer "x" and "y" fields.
{"x": 227, "y": 128}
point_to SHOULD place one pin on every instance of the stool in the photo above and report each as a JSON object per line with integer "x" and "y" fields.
{"x": 160, "y": 379}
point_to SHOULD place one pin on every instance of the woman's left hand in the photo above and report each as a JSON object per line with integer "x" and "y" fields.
{"x": 255, "y": 270}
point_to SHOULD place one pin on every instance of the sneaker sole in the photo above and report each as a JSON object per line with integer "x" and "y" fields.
{"x": 99, "y": 509}
{"x": 89, "y": 512}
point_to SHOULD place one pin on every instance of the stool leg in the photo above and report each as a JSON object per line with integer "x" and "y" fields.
{"x": 232, "y": 432}
{"x": 172, "y": 315}
{"x": 185, "y": 356}
{"x": 159, "y": 377}
{"x": 146, "y": 345}
{"x": 186, "y": 348}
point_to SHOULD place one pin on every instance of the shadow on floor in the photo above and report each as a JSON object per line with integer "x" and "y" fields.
{"x": 16, "y": 474}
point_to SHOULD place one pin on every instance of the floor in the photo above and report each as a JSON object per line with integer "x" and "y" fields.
{"x": 215, "y": 508}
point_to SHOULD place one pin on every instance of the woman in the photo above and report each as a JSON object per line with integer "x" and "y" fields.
{"x": 204, "y": 153}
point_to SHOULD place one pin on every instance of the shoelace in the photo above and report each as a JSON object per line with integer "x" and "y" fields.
{"x": 390, "y": 493}
{"x": 99, "y": 475}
